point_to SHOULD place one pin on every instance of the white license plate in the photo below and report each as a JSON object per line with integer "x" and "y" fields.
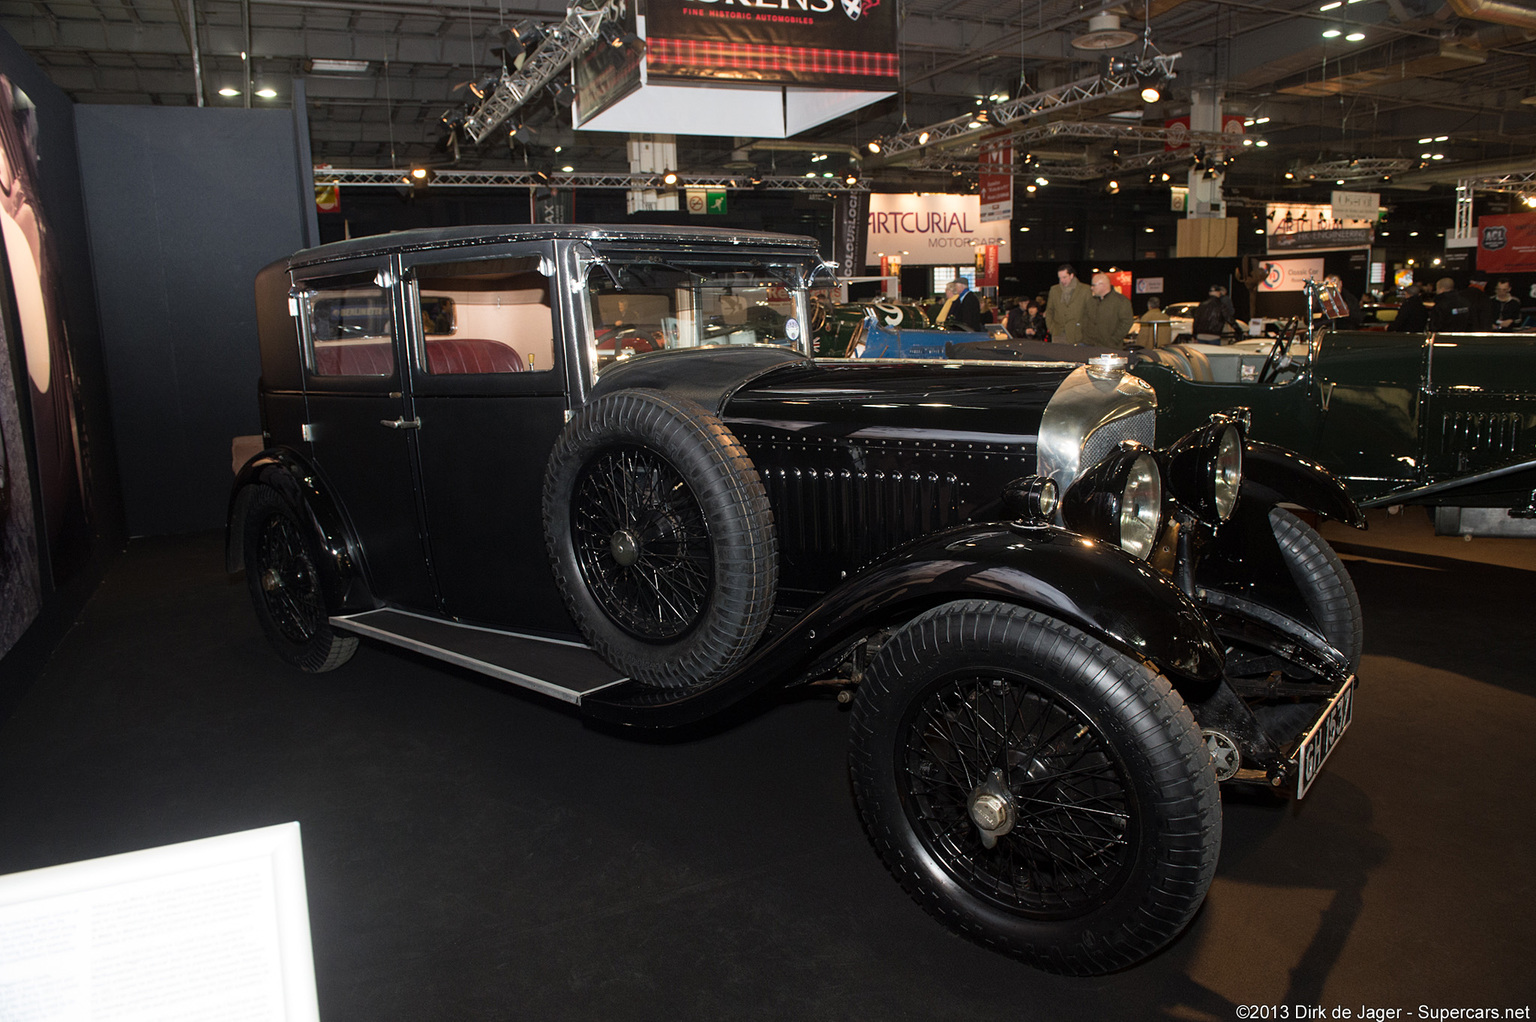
{"x": 1323, "y": 737}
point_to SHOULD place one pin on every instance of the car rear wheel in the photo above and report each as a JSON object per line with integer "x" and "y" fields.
{"x": 1035, "y": 790}
{"x": 661, "y": 538}
{"x": 280, "y": 569}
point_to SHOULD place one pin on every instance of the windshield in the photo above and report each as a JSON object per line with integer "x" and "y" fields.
{"x": 641, "y": 304}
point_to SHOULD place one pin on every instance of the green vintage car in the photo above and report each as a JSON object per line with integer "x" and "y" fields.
{"x": 1447, "y": 421}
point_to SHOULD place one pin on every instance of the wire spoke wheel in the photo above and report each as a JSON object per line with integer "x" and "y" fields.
{"x": 661, "y": 538}
{"x": 287, "y": 580}
{"x": 642, "y": 543}
{"x": 282, "y": 573}
{"x": 1072, "y": 840}
{"x": 1033, "y": 788}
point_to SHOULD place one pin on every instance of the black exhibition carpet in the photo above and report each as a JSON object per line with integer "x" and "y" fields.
{"x": 472, "y": 852}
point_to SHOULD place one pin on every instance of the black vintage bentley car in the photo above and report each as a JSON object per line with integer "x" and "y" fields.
{"x": 1056, "y": 639}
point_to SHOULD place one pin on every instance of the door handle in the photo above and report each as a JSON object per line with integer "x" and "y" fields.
{"x": 401, "y": 423}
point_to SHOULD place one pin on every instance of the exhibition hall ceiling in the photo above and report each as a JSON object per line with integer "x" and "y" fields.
{"x": 1363, "y": 80}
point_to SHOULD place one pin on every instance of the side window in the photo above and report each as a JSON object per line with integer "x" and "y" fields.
{"x": 486, "y": 316}
{"x": 350, "y": 329}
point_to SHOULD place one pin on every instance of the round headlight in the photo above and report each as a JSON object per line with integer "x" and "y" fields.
{"x": 1141, "y": 507}
{"x": 1228, "y": 471}
{"x": 1119, "y": 500}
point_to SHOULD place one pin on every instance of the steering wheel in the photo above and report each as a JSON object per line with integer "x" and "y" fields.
{"x": 1279, "y": 355}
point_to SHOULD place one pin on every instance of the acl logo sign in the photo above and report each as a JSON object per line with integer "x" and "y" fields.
{"x": 856, "y": 9}
{"x": 1494, "y": 238}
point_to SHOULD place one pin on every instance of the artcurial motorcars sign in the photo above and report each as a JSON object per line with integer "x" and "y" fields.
{"x": 932, "y": 230}
{"x": 846, "y": 44}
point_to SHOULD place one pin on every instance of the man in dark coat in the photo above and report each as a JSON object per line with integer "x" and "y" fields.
{"x": 1413, "y": 313}
{"x": 1451, "y": 312}
{"x": 1477, "y": 300}
{"x": 965, "y": 309}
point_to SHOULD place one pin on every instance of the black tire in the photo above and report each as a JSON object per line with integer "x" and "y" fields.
{"x": 280, "y": 569}
{"x": 1108, "y": 863}
{"x": 661, "y": 538}
{"x": 1324, "y": 583}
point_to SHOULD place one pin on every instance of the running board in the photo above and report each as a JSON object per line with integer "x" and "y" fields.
{"x": 565, "y": 670}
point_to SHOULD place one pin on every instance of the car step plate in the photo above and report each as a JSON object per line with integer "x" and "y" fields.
{"x": 1324, "y": 737}
{"x": 555, "y": 667}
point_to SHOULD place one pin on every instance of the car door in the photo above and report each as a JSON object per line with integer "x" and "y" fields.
{"x": 489, "y": 382}
{"x": 360, "y": 423}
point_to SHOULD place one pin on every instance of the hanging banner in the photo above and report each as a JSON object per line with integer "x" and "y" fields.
{"x": 932, "y": 230}
{"x": 995, "y": 187}
{"x": 1506, "y": 243}
{"x": 1356, "y": 205}
{"x": 848, "y": 233}
{"x": 847, "y": 44}
{"x": 986, "y": 266}
{"x": 1314, "y": 227}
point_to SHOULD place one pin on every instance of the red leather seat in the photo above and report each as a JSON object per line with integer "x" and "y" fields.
{"x": 453, "y": 355}
{"x": 371, "y": 358}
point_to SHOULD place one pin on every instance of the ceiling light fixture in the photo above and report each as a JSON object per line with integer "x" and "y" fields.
{"x": 1354, "y": 37}
{"x": 268, "y": 93}
{"x": 1104, "y": 33}
{"x": 229, "y": 91}
{"x": 1332, "y": 33}
{"x": 327, "y": 65}
{"x": 567, "y": 169}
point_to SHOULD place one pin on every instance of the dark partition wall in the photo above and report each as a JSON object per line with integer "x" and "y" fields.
{"x": 185, "y": 205}
{"x": 60, "y": 513}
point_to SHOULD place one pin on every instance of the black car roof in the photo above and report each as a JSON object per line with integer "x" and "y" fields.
{"x": 454, "y": 237}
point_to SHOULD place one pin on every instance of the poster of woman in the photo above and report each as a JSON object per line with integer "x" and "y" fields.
{"x": 42, "y": 393}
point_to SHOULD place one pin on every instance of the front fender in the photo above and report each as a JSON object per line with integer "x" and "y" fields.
{"x": 1090, "y": 585}
{"x": 1275, "y": 475}
{"x": 294, "y": 479}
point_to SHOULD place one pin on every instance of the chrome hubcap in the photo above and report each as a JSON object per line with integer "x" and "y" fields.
{"x": 991, "y": 810}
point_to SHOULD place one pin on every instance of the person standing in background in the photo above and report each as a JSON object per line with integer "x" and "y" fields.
{"x": 1156, "y": 328}
{"x": 1065, "y": 306}
{"x": 1506, "y": 307}
{"x": 1107, "y": 316}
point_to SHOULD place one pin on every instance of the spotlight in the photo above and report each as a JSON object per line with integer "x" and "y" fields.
{"x": 922, "y": 138}
{"x": 874, "y": 145}
{"x": 518, "y": 42}
{"x": 851, "y": 180}
{"x": 523, "y": 133}
{"x": 617, "y": 37}
{"x": 669, "y": 178}
{"x": 419, "y": 173}
{"x": 563, "y": 93}
{"x": 1150, "y": 94}
{"x": 1041, "y": 181}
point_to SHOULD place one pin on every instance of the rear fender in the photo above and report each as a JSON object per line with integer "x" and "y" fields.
{"x": 1273, "y": 475}
{"x": 1092, "y": 586}
{"x": 294, "y": 479}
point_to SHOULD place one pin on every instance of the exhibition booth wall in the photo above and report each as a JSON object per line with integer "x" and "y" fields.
{"x": 60, "y": 509}
{"x": 128, "y": 362}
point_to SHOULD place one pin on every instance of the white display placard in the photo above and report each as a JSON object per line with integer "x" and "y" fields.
{"x": 932, "y": 230}
{"x": 213, "y": 930}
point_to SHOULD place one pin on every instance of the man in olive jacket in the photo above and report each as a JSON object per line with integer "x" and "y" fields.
{"x": 1064, "y": 307}
{"x": 1107, "y": 315}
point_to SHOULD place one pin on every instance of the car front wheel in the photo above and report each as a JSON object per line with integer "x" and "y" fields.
{"x": 1035, "y": 790}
